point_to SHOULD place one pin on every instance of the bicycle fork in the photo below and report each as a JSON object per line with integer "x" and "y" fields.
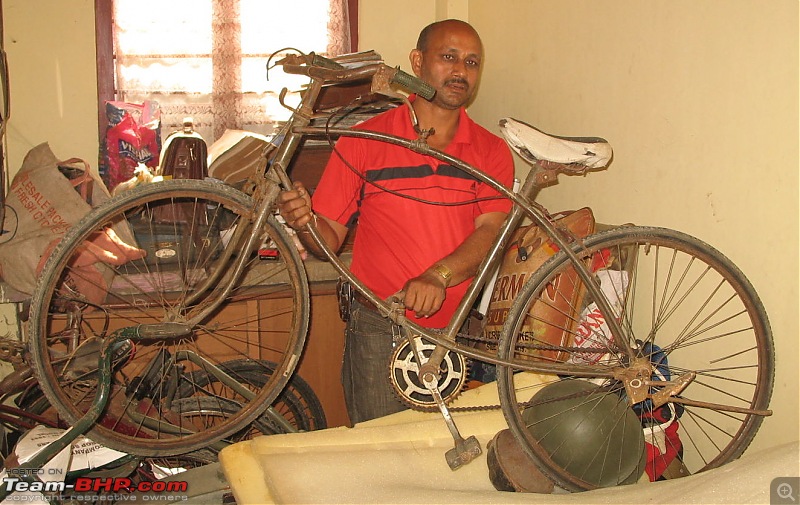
{"x": 465, "y": 450}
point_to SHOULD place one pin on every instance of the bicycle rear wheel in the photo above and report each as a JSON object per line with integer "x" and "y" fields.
{"x": 94, "y": 285}
{"x": 297, "y": 403}
{"x": 689, "y": 315}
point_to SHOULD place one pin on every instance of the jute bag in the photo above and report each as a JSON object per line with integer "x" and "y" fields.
{"x": 46, "y": 198}
{"x": 550, "y": 321}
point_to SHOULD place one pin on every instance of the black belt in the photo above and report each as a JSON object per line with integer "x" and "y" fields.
{"x": 363, "y": 300}
{"x": 347, "y": 295}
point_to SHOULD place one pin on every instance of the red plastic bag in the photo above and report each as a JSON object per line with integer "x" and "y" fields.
{"x": 133, "y": 137}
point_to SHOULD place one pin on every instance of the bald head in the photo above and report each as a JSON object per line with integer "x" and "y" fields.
{"x": 448, "y": 56}
{"x": 448, "y": 24}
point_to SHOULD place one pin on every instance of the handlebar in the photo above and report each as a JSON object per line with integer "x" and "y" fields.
{"x": 413, "y": 84}
{"x": 321, "y": 61}
{"x": 330, "y": 71}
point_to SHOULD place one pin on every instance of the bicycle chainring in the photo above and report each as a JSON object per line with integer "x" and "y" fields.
{"x": 407, "y": 384}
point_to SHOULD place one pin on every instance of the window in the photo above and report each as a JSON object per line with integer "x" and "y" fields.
{"x": 207, "y": 58}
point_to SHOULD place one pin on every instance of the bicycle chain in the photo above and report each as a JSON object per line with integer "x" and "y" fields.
{"x": 536, "y": 346}
{"x": 521, "y": 405}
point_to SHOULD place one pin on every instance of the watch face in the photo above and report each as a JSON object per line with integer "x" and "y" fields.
{"x": 443, "y": 271}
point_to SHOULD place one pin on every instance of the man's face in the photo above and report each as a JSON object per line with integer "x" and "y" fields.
{"x": 451, "y": 63}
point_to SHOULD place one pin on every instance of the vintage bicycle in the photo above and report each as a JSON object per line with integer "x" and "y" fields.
{"x": 685, "y": 343}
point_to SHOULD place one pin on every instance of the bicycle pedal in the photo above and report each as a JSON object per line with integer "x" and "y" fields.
{"x": 464, "y": 452}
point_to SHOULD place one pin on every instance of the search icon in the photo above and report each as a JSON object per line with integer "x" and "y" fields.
{"x": 785, "y": 491}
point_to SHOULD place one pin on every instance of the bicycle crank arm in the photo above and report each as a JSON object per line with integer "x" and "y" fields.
{"x": 465, "y": 450}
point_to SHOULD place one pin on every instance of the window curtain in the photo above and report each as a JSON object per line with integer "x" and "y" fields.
{"x": 207, "y": 60}
{"x": 339, "y": 41}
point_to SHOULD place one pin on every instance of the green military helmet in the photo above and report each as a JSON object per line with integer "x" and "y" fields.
{"x": 588, "y": 432}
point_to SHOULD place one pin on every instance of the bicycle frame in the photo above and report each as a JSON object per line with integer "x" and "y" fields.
{"x": 298, "y": 128}
{"x": 266, "y": 196}
{"x": 522, "y": 208}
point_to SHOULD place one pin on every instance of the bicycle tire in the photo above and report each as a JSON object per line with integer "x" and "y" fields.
{"x": 289, "y": 404}
{"x": 209, "y": 407}
{"x": 684, "y": 308}
{"x": 74, "y": 307}
{"x": 297, "y": 403}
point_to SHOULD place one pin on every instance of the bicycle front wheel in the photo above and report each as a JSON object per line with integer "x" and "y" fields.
{"x": 699, "y": 341}
{"x": 159, "y": 256}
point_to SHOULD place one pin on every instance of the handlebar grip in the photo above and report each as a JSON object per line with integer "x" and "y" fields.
{"x": 321, "y": 61}
{"x": 414, "y": 84}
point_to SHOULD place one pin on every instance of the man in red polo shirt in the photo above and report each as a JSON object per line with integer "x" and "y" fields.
{"x": 424, "y": 252}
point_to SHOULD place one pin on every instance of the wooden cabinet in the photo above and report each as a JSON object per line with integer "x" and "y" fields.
{"x": 321, "y": 360}
{"x": 321, "y": 363}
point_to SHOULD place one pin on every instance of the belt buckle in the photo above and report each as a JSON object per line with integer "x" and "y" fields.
{"x": 344, "y": 294}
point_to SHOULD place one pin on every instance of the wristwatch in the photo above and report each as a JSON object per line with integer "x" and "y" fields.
{"x": 444, "y": 272}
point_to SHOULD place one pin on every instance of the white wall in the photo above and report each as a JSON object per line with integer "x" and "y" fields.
{"x": 53, "y": 78}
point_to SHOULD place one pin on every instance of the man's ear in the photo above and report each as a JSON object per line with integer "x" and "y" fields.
{"x": 415, "y": 57}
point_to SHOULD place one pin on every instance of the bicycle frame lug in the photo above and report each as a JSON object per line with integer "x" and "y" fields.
{"x": 397, "y": 314}
{"x": 636, "y": 379}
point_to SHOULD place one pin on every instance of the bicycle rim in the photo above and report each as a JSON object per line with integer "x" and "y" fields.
{"x": 93, "y": 285}
{"x": 688, "y": 313}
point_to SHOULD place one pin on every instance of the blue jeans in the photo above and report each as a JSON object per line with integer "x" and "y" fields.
{"x": 365, "y": 367}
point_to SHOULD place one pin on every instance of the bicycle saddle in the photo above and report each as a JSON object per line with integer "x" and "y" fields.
{"x": 533, "y": 144}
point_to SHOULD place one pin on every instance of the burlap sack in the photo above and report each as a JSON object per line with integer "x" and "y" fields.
{"x": 42, "y": 204}
{"x": 550, "y": 321}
